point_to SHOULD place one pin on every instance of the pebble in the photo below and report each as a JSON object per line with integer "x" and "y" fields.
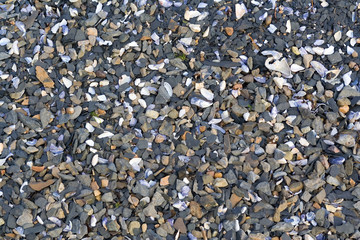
{"x": 134, "y": 228}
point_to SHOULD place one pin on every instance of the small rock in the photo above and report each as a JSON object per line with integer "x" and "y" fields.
{"x": 180, "y": 226}
{"x": 220, "y": 182}
{"x": 25, "y": 218}
{"x": 208, "y": 202}
{"x": 282, "y": 227}
{"x": 296, "y": 187}
{"x": 107, "y": 197}
{"x": 38, "y": 186}
{"x": 44, "y": 78}
{"x": 134, "y": 228}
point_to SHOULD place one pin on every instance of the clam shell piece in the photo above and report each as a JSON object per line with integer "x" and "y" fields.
{"x": 319, "y": 68}
{"x": 279, "y": 66}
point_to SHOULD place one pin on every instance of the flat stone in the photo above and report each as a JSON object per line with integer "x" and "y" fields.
{"x": 180, "y": 225}
{"x": 45, "y": 117}
{"x": 313, "y": 184}
{"x": 55, "y": 233}
{"x": 346, "y": 228}
{"x": 334, "y": 58}
{"x": 25, "y": 218}
{"x": 38, "y": 186}
{"x": 107, "y": 197}
{"x": 282, "y": 227}
{"x": 44, "y": 78}
{"x": 264, "y": 187}
{"x": 220, "y": 182}
{"x": 113, "y": 226}
{"x": 195, "y": 209}
{"x": 296, "y": 187}
{"x": 208, "y": 202}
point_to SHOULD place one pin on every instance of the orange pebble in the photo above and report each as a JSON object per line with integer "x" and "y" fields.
{"x": 229, "y": 31}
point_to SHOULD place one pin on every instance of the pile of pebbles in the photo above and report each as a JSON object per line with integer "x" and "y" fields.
{"x": 179, "y": 119}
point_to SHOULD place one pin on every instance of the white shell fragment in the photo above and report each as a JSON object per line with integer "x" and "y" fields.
{"x": 330, "y": 50}
{"x": 67, "y": 82}
{"x": 275, "y": 54}
{"x": 135, "y": 163}
{"x": 347, "y": 78}
{"x": 288, "y": 26}
{"x": 4, "y": 41}
{"x": 168, "y": 88}
{"x": 200, "y": 102}
{"x": 207, "y": 94}
{"x": 240, "y": 10}
{"x": 195, "y": 27}
{"x": 279, "y": 82}
{"x": 191, "y": 14}
{"x": 296, "y": 68}
{"x": 337, "y": 36}
{"x": 279, "y": 66}
{"x": 106, "y": 134}
{"x": 319, "y": 68}
{"x": 318, "y": 50}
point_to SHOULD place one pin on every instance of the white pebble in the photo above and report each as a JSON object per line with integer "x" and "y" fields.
{"x": 95, "y": 160}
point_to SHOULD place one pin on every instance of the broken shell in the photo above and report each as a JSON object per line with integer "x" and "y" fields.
{"x": 277, "y": 55}
{"x": 279, "y": 66}
{"x": 319, "y": 68}
{"x": 207, "y": 94}
{"x": 337, "y": 36}
{"x": 296, "y": 68}
{"x": 200, "y": 102}
{"x": 240, "y": 10}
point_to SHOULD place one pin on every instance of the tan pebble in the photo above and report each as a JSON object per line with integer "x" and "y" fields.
{"x": 144, "y": 227}
{"x": 164, "y": 181}
{"x": 355, "y": 54}
{"x": 159, "y": 138}
{"x": 104, "y": 182}
{"x": 92, "y": 31}
{"x": 344, "y": 109}
{"x": 352, "y": 64}
{"x": 70, "y": 110}
{"x": 229, "y": 31}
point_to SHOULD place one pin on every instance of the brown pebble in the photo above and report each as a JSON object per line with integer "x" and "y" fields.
{"x": 38, "y": 186}
{"x": 268, "y": 20}
{"x": 229, "y": 31}
{"x": 37, "y": 168}
{"x": 100, "y": 74}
